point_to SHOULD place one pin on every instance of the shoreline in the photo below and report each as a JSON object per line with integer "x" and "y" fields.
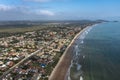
{"x": 67, "y": 76}
{"x": 61, "y": 69}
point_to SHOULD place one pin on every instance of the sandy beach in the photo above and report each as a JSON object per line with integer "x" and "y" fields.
{"x": 60, "y": 71}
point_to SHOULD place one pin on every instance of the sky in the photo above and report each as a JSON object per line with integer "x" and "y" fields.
{"x": 59, "y": 9}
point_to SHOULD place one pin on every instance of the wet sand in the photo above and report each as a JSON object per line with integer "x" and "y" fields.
{"x": 61, "y": 69}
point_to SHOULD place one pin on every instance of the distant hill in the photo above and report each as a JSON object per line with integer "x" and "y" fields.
{"x": 22, "y": 24}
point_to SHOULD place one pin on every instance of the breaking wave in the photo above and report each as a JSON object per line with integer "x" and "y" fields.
{"x": 75, "y": 61}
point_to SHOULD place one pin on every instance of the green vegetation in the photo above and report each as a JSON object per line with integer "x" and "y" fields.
{"x": 50, "y": 66}
{"x": 25, "y": 29}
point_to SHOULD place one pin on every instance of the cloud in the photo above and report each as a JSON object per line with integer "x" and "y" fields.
{"x": 25, "y": 10}
{"x": 38, "y": 0}
{"x": 45, "y": 13}
{"x": 44, "y": 0}
{"x": 11, "y": 12}
{"x": 5, "y": 7}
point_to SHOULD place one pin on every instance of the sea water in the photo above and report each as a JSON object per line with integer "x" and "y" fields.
{"x": 97, "y": 53}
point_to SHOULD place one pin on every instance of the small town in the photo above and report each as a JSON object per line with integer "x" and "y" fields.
{"x": 59, "y": 40}
{"x": 33, "y": 55}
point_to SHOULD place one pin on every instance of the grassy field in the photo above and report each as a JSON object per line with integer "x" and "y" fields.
{"x": 22, "y": 29}
{"x": 13, "y": 30}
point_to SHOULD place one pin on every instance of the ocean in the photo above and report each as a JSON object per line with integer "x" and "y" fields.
{"x": 97, "y": 53}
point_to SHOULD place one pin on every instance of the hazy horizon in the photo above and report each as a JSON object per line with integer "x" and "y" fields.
{"x": 59, "y": 10}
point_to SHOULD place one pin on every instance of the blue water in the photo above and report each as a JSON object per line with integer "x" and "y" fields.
{"x": 99, "y": 55}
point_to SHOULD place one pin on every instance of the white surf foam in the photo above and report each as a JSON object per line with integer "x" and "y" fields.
{"x": 80, "y": 40}
{"x": 78, "y": 67}
{"x": 76, "y": 50}
{"x": 81, "y": 78}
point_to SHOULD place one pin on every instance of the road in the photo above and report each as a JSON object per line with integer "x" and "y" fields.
{"x": 10, "y": 69}
{"x": 26, "y": 57}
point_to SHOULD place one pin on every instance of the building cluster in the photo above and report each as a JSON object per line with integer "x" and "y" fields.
{"x": 51, "y": 42}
